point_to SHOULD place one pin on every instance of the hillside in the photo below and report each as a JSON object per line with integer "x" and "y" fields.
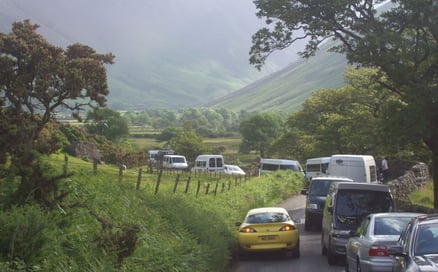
{"x": 169, "y": 54}
{"x": 286, "y": 90}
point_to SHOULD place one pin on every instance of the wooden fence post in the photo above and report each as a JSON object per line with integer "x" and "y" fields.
{"x": 223, "y": 187}
{"x": 158, "y": 181}
{"x": 187, "y": 185}
{"x": 95, "y": 166}
{"x": 215, "y": 188}
{"x": 65, "y": 163}
{"x": 176, "y": 183}
{"x": 198, "y": 188}
{"x": 138, "y": 179}
{"x": 207, "y": 188}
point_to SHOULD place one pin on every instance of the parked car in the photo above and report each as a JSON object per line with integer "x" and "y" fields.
{"x": 233, "y": 170}
{"x": 417, "y": 247}
{"x": 315, "y": 199}
{"x": 266, "y": 230}
{"x": 346, "y": 204}
{"x": 367, "y": 249}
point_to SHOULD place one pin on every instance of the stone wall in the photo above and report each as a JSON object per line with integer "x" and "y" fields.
{"x": 409, "y": 181}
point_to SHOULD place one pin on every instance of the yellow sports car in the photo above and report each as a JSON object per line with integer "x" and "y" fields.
{"x": 268, "y": 229}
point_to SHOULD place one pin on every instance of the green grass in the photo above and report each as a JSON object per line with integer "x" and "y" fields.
{"x": 173, "y": 231}
{"x": 424, "y": 196}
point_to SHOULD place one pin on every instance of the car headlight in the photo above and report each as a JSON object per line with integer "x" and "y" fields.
{"x": 312, "y": 206}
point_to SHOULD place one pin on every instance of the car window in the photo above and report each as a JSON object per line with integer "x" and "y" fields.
{"x": 362, "y": 229}
{"x": 319, "y": 187}
{"x": 267, "y": 218}
{"x": 427, "y": 239}
{"x": 390, "y": 225}
{"x": 360, "y": 202}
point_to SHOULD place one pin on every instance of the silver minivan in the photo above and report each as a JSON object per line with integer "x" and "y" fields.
{"x": 347, "y": 203}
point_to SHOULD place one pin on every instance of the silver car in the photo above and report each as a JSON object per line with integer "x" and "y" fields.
{"x": 367, "y": 247}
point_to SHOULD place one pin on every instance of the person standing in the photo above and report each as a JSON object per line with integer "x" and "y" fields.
{"x": 385, "y": 169}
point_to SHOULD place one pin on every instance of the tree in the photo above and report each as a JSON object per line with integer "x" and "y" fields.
{"x": 36, "y": 80}
{"x": 401, "y": 40}
{"x": 108, "y": 123}
{"x": 189, "y": 143}
{"x": 259, "y": 131}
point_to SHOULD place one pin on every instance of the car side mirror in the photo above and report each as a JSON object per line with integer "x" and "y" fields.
{"x": 330, "y": 209}
{"x": 396, "y": 251}
{"x": 238, "y": 224}
{"x": 304, "y": 192}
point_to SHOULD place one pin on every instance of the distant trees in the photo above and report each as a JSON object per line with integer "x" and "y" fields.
{"x": 36, "y": 80}
{"x": 259, "y": 131}
{"x": 402, "y": 41}
{"x": 207, "y": 122}
{"x": 108, "y": 123}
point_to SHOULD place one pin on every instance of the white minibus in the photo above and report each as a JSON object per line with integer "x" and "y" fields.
{"x": 316, "y": 167}
{"x": 270, "y": 165}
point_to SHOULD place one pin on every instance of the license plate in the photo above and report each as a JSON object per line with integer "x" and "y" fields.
{"x": 268, "y": 237}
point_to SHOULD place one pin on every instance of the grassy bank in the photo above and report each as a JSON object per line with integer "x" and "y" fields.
{"x": 108, "y": 225}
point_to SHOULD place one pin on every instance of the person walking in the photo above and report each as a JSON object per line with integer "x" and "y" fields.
{"x": 385, "y": 168}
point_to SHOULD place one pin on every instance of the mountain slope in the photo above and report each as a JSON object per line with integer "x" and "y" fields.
{"x": 169, "y": 54}
{"x": 286, "y": 90}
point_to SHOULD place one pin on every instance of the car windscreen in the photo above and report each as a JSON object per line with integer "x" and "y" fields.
{"x": 353, "y": 205}
{"x": 289, "y": 167}
{"x": 268, "y": 217}
{"x": 390, "y": 225}
{"x": 319, "y": 187}
{"x": 178, "y": 160}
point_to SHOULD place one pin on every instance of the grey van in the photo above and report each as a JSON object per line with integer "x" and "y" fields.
{"x": 315, "y": 199}
{"x": 347, "y": 203}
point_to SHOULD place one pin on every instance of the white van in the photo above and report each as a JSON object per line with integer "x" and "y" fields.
{"x": 209, "y": 163}
{"x": 174, "y": 162}
{"x": 153, "y": 155}
{"x": 360, "y": 168}
{"x": 270, "y": 165}
{"x": 316, "y": 167}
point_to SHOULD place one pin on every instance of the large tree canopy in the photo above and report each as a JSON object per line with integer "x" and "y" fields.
{"x": 36, "y": 80}
{"x": 259, "y": 131}
{"x": 401, "y": 39}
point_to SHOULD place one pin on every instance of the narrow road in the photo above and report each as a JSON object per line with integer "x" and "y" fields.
{"x": 310, "y": 247}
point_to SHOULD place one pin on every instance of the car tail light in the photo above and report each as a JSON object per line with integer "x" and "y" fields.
{"x": 378, "y": 251}
{"x": 288, "y": 228}
{"x": 247, "y": 230}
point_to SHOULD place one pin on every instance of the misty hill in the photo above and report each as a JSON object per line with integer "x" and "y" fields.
{"x": 169, "y": 54}
{"x": 286, "y": 90}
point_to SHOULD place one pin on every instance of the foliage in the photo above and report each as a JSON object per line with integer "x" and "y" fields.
{"x": 108, "y": 123}
{"x": 104, "y": 225}
{"x": 400, "y": 41}
{"x": 36, "y": 80}
{"x": 259, "y": 131}
{"x": 189, "y": 143}
{"x": 207, "y": 122}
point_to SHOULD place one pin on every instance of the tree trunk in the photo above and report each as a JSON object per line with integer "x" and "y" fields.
{"x": 434, "y": 172}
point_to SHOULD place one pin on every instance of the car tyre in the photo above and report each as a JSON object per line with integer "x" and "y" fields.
{"x": 241, "y": 254}
{"x": 347, "y": 269}
{"x": 307, "y": 225}
{"x": 331, "y": 256}
{"x": 296, "y": 251}
{"x": 358, "y": 268}
{"x": 323, "y": 247}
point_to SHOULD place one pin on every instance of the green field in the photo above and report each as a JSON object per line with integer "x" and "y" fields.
{"x": 231, "y": 147}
